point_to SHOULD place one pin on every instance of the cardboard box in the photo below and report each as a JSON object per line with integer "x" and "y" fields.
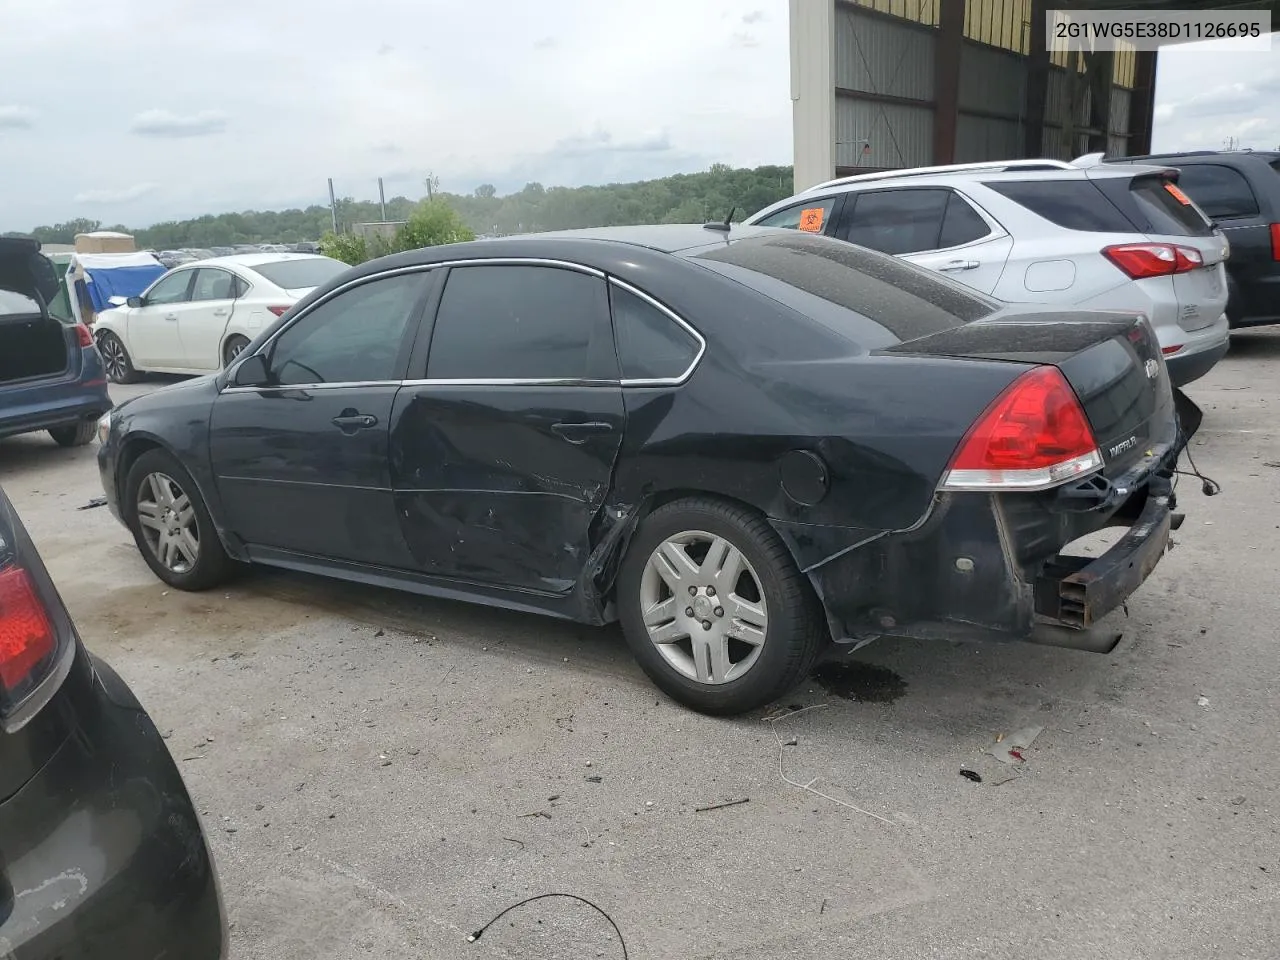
{"x": 104, "y": 241}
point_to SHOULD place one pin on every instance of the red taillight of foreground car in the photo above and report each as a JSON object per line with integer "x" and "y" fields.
{"x": 1034, "y": 436}
{"x": 278, "y": 311}
{"x": 26, "y": 636}
{"x": 1142, "y": 260}
{"x": 1275, "y": 241}
{"x": 84, "y": 335}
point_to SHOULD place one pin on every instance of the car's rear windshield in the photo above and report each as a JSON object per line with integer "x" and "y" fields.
{"x": 299, "y": 274}
{"x": 1167, "y": 209}
{"x": 905, "y": 300}
{"x": 14, "y": 304}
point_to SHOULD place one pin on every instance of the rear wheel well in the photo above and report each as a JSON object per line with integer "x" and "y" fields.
{"x": 646, "y": 507}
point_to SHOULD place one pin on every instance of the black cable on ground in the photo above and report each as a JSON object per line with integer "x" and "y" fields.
{"x": 543, "y": 896}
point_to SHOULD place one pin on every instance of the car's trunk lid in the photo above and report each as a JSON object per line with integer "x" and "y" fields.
{"x": 1112, "y": 361}
{"x": 1164, "y": 214}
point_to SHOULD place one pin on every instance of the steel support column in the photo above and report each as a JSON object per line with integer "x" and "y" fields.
{"x": 1037, "y": 89}
{"x": 946, "y": 73}
{"x": 1142, "y": 106}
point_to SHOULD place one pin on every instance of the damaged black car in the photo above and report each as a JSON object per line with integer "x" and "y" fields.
{"x": 744, "y": 444}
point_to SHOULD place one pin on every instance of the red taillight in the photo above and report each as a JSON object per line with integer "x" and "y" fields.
{"x": 84, "y": 335}
{"x": 278, "y": 311}
{"x": 1275, "y": 241}
{"x": 26, "y": 635}
{"x": 1142, "y": 260}
{"x": 1034, "y": 436}
{"x": 1171, "y": 350}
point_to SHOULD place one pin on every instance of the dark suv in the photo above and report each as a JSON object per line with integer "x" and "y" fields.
{"x": 1240, "y": 192}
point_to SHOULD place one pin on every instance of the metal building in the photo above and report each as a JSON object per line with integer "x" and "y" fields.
{"x": 880, "y": 84}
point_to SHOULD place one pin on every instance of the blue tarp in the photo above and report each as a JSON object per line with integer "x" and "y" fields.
{"x": 110, "y": 275}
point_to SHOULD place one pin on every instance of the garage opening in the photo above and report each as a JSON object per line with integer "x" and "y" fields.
{"x": 33, "y": 345}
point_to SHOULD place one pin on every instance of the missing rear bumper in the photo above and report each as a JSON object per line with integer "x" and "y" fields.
{"x": 1077, "y": 592}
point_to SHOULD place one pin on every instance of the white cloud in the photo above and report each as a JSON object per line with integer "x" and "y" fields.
{"x": 16, "y": 118}
{"x": 268, "y": 105}
{"x": 1206, "y": 96}
{"x": 163, "y": 123}
{"x": 120, "y": 195}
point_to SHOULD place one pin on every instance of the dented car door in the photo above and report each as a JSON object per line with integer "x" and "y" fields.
{"x": 502, "y": 453}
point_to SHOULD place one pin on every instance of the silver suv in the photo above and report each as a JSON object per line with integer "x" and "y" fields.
{"x": 1044, "y": 231}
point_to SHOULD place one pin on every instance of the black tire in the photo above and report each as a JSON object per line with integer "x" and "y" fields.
{"x": 231, "y": 349}
{"x": 77, "y": 436}
{"x": 116, "y": 359}
{"x": 795, "y": 631}
{"x": 212, "y": 565}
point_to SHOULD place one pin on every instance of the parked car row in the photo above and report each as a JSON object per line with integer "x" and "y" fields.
{"x": 1093, "y": 235}
{"x": 174, "y": 258}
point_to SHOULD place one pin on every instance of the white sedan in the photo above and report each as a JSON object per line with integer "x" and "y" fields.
{"x": 199, "y": 316}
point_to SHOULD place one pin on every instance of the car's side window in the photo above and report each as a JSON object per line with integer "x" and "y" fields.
{"x": 170, "y": 289}
{"x": 1219, "y": 191}
{"x": 509, "y": 322}
{"x": 811, "y": 216}
{"x": 651, "y": 345}
{"x": 961, "y": 224}
{"x": 896, "y": 221}
{"x": 355, "y": 337}
{"x": 211, "y": 284}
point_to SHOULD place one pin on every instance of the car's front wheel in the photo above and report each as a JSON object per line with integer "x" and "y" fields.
{"x": 116, "y": 359}
{"x": 714, "y": 608}
{"x": 171, "y": 524}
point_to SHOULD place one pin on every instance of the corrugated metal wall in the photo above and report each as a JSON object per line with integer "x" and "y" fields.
{"x": 900, "y": 135}
{"x": 991, "y": 80}
{"x": 885, "y": 48}
{"x": 877, "y": 55}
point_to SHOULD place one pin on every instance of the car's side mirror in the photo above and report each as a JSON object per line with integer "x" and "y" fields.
{"x": 252, "y": 372}
{"x": 134, "y": 302}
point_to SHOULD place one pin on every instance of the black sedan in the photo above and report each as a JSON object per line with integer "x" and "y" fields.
{"x": 101, "y": 852}
{"x": 743, "y": 444}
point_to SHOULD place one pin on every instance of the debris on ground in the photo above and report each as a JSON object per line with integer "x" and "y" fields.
{"x": 1202, "y": 701}
{"x": 1009, "y": 749}
{"x": 721, "y": 806}
{"x": 102, "y": 502}
{"x": 595, "y": 779}
{"x": 971, "y": 775}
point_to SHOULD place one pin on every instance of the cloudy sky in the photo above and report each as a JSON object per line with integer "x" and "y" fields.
{"x": 131, "y": 111}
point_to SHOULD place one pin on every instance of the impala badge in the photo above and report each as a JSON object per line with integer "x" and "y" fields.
{"x": 1123, "y": 445}
{"x": 1153, "y": 370}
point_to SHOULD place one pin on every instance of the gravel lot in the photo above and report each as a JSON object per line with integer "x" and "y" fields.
{"x": 380, "y": 775}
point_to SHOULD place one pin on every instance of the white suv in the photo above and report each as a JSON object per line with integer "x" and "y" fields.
{"x": 1044, "y": 231}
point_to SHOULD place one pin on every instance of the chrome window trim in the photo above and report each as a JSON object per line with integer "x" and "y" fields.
{"x": 496, "y": 381}
{"x": 680, "y": 322}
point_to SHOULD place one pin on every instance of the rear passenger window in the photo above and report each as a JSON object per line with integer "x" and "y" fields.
{"x": 962, "y": 224}
{"x": 1072, "y": 204}
{"x": 519, "y": 323}
{"x": 1219, "y": 191}
{"x": 896, "y": 221}
{"x": 651, "y": 345}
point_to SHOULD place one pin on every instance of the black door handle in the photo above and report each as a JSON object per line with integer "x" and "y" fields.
{"x": 349, "y": 421}
{"x": 580, "y": 432}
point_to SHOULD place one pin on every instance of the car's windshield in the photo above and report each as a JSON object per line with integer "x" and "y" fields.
{"x": 299, "y": 274}
{"x": 850, "y": 284}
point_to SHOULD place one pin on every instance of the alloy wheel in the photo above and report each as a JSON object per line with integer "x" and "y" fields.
{"x": 168, "y": 521}
{"x": 113, "y": 357}
{"x": 704, "y": 608}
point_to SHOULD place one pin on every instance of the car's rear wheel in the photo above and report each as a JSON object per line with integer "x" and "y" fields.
{"x": 76, "y": 436}
{"x": 171, "y": 524}
{"x": 714, "y": 608}
{"x": 115, "y": 358}
{"x": 233, "y": 348}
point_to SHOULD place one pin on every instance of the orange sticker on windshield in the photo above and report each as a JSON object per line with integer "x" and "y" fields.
{"x": 1177, "y": 194}
{"x": 811, "y": 219}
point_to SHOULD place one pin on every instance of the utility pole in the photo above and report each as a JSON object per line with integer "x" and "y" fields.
{"x": 333, "y": 207}
{"x": 382, "y": 200}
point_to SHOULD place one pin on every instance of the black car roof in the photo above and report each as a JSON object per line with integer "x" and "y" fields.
{"x": 1205, "y": 156}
